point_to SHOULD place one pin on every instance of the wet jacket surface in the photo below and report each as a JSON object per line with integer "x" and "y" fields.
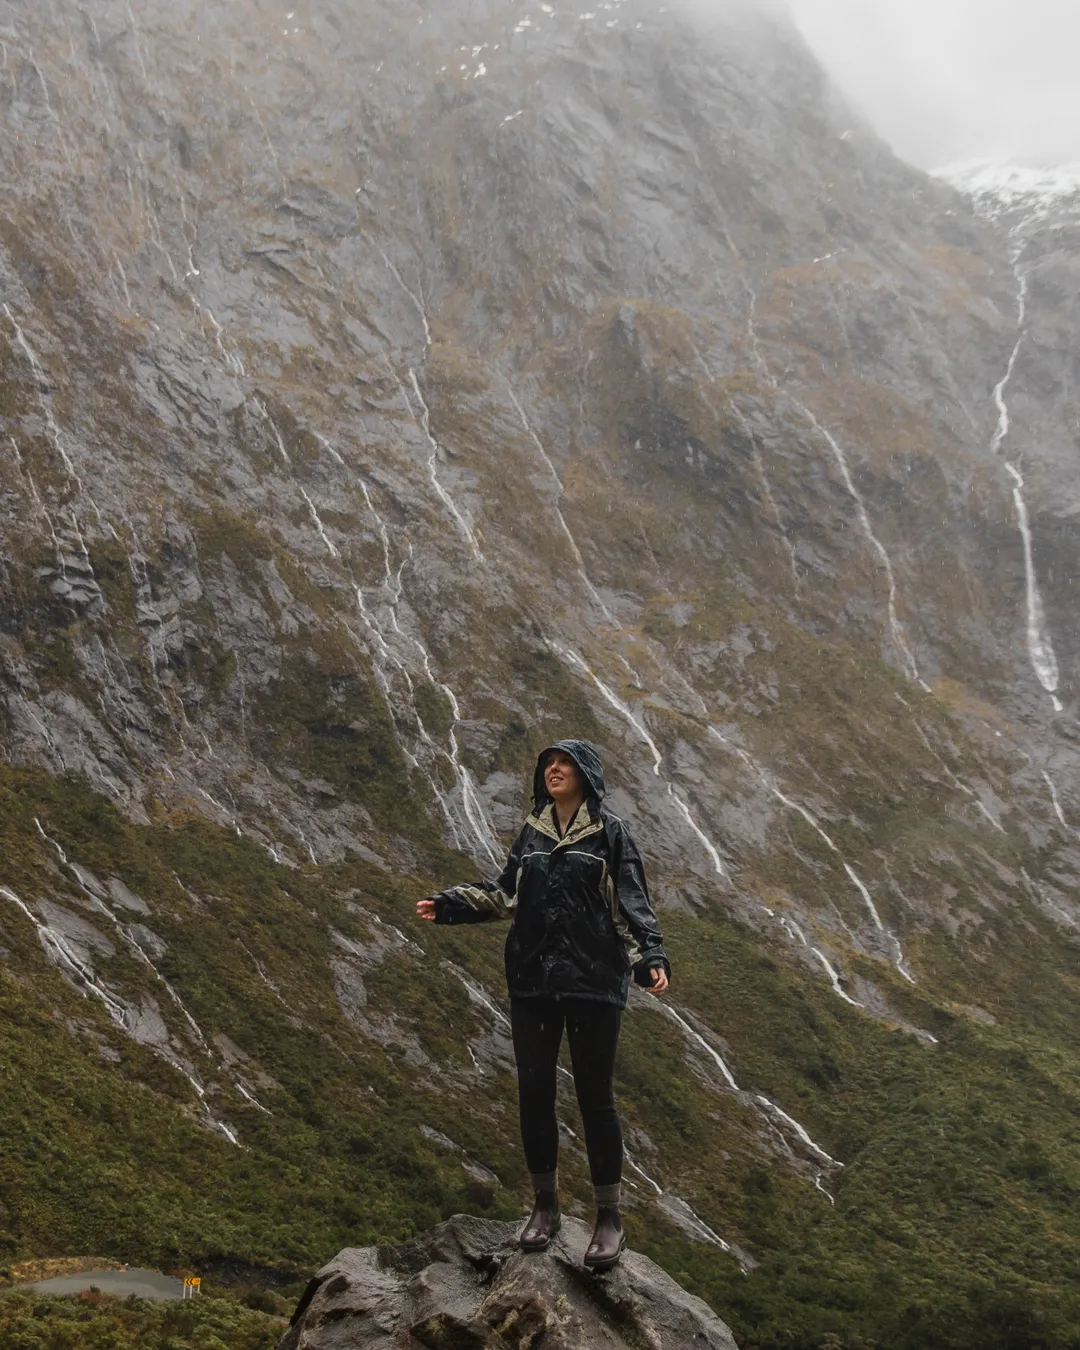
{"x": 581, "y": 924}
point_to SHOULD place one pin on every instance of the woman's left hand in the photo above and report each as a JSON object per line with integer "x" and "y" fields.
{"x": 659, "y": 980}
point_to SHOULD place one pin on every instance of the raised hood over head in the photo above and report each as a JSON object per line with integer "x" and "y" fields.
{"x": 585, "y": 756}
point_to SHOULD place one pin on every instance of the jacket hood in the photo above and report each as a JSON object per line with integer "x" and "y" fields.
{"x": 585, "y": 757}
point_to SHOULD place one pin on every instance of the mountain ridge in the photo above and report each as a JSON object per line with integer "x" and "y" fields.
{"x": 389, "y": 390}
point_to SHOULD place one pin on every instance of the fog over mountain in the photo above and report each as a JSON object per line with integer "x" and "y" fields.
{"x": 953, "y": 79}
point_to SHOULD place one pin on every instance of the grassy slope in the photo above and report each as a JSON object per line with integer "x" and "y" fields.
{"x": 956, "y": 1213}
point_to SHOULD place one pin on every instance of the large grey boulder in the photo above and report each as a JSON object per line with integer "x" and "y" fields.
{"x": 467, "y": 1286}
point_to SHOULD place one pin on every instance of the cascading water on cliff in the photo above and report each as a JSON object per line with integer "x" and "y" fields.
{"x": 624, "y": 711}
{"x": 1029, "y": 198}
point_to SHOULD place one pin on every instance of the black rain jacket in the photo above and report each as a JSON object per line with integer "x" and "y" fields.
{"x": 580, "y": 918}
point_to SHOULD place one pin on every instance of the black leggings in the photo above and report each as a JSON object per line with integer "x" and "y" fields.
{"x": 592, "y": 1030}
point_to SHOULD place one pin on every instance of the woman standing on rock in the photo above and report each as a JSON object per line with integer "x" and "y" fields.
{"x": 581, "y": 925}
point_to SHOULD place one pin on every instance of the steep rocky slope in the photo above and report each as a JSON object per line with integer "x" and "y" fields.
{"x": 387, "y": 389}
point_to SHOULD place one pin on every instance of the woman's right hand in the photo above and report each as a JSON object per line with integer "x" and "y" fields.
{"x": 425, "y": 909}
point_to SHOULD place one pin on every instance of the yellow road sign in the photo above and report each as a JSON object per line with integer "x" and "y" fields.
{"x": 192, "y": 1282}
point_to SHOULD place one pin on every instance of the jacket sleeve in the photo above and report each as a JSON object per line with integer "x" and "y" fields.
{"x": 482, "y": 901}
{"x": 636, "y": 919}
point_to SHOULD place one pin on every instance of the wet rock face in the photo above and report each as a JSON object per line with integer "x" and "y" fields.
{"x": 388, "y": 389}
{"x": 466, "y": 1284}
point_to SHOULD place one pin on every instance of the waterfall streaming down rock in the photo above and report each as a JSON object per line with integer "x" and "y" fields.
{"x": 388, "y": 390}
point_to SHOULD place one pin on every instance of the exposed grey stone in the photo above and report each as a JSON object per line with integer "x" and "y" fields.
{"x": 466, "y": 1284}
{"x": 122, "y": 895}
{"x": 85, "y": 938}
{"x": 148, "y": 941}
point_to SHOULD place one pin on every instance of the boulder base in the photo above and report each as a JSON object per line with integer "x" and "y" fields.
{"x": 467, "y": 1286}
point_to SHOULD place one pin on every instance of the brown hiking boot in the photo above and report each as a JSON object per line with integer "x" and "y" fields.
{"x": 608, "y": 1240}
{"x": 543, "y": 1223}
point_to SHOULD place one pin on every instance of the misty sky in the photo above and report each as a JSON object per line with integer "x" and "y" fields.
{"x": 954, "y": 79}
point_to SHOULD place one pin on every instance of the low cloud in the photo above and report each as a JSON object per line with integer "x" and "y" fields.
{"x": 944, "y": 80}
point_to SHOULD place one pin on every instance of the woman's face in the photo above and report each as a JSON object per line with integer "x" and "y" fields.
{"x": 562, "y": 777}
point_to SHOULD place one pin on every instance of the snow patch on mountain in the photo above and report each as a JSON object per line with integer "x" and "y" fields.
{"x": 997, "y": 187}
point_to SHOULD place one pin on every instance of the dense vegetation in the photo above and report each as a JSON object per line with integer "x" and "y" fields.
{"x": 955, "y": 1225}
{"x": 95, "y": 1321}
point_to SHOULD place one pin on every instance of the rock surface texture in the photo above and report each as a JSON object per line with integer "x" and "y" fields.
{"x": 467, "y": 1286}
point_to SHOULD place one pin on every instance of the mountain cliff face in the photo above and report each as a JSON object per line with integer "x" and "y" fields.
{"x": 387, "y": 389}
